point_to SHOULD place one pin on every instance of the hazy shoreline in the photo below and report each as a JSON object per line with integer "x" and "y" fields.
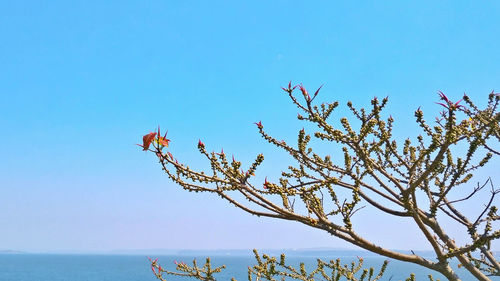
{"x": 324, "y": 252}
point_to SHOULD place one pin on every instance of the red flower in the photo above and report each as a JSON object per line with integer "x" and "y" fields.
{"x": 162, "y": 140}
{"x": 266, "y": 183}
{"x": 289, "y": 89}
{"x": 304, "y": 92}
{"x": 443, "y": 97}
{"x": 449, "y": 104}
{"x": 200, "y": 144}
{"x": 221, "y": 152}
{"x": 317, "y": 91}
{"x": 259, "y": 125}
{"x": 146, "y": 140}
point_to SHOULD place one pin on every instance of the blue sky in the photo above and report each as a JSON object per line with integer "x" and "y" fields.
{"x": 82, "y": 81}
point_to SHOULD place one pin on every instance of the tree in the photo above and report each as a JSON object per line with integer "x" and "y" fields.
{"x": 414, "y": 180}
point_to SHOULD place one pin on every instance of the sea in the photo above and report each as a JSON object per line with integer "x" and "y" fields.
{"x": 136, "y": 267}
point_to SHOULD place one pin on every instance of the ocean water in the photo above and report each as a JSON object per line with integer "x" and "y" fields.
{"x": 59, "y": 267}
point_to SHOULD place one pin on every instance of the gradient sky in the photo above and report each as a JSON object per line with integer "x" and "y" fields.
{"x": 82, "y": 81}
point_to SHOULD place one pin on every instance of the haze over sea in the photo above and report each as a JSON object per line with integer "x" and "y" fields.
{"x": 134, "y": 265}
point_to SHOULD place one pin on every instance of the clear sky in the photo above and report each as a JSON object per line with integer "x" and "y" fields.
{"x": 82, "y": 81}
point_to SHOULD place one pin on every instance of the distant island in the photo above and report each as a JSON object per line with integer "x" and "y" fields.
{"x": 303, "y": 252}
{"x": 11, "y": 252}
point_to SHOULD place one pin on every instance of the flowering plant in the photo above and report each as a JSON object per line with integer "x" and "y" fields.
{"x": 413, "y": 180}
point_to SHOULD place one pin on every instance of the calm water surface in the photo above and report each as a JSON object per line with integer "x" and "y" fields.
{"x": 42, "y": 267}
